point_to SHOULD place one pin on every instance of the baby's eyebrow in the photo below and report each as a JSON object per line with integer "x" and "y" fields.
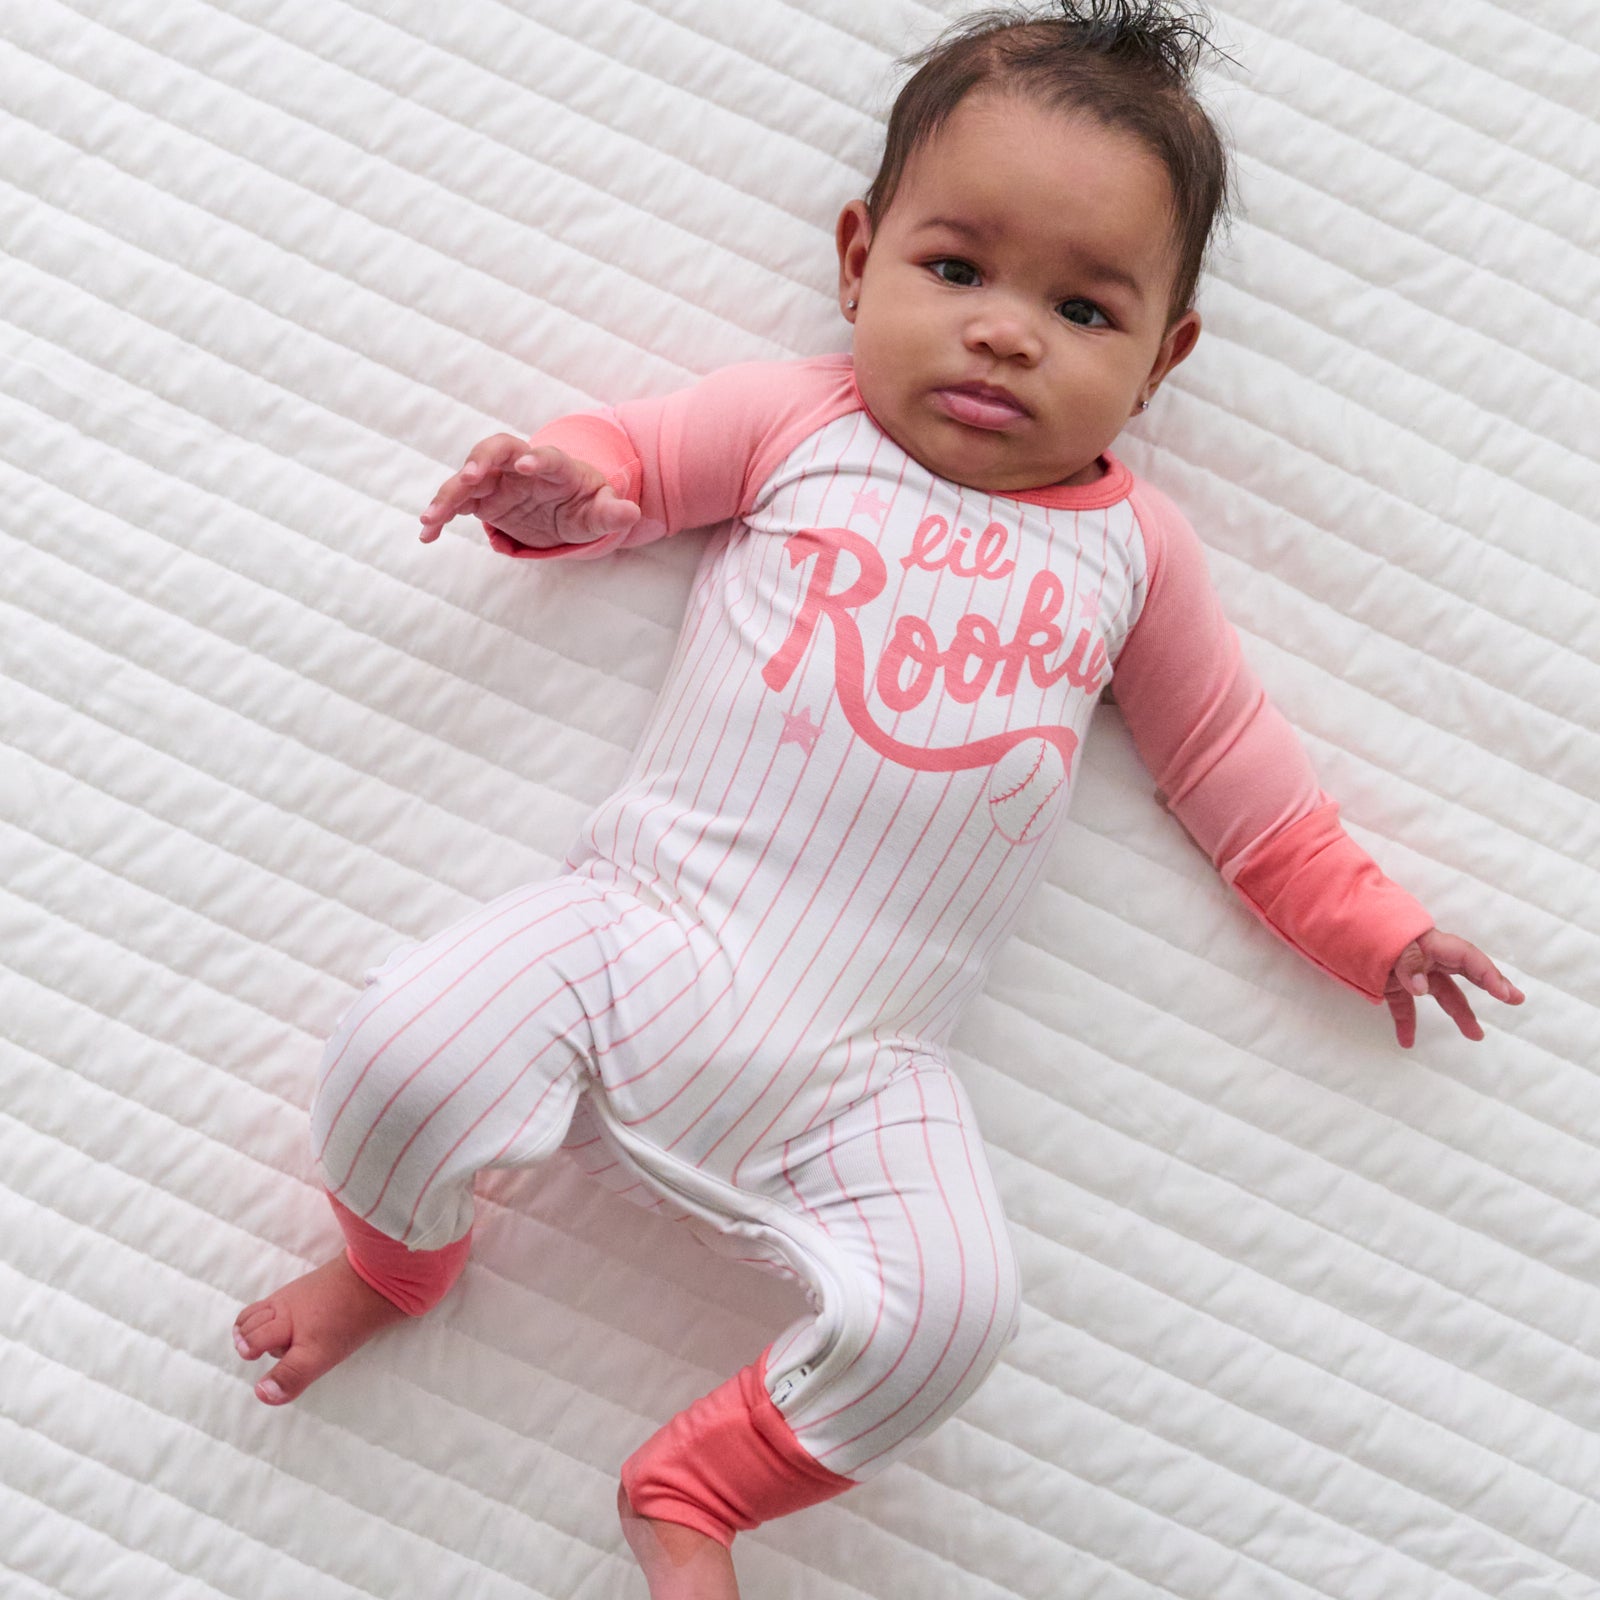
{"x": 952, "y": 225}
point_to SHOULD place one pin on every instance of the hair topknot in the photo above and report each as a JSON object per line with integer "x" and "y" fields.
{"x": 1129, "y": 63}
{"x": 1170, "y": 38}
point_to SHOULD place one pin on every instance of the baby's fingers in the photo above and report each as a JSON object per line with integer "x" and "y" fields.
{"x": 1454, "y": 1004}
{"x": 1404, "y": 1011}
{"x": 1456, "y": 955}
{"x": 613, "y": 514}
{"x": 1483, "y": 972}
{"x": 477, "y": 478}
{"x": 557, "y": 474}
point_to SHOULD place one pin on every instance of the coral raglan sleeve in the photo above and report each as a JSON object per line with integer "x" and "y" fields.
{"x": 1231, "y": 769}
{"x": 700, "y": 455}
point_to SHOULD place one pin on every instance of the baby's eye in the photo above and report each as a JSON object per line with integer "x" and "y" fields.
{"x": 951, "y": 270}
{"x": 1084, "y": 314}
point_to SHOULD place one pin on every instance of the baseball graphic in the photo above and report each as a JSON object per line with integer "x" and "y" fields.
{"x": 1024, "y": 789}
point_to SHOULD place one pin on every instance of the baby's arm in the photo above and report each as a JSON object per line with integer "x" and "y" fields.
{"x": 1231, "y": 769}
{"x": 646, "y": 468}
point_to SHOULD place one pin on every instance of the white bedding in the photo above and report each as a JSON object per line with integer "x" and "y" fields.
{"x": 1306, "y": 1316}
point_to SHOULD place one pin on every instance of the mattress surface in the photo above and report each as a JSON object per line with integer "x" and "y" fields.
{"x": 1307, "y": 1317}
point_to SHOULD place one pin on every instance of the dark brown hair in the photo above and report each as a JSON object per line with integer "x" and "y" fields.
{"x": 1130, "y": 64}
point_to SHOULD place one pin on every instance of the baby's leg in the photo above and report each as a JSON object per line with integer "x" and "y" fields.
{"x": 678, "y": 1563}
{"x": 919, "y": 1297}
{"x": 465, "y": 1052}
{"x": 904, "y": 1189}
{"x": 315, "y": 1321}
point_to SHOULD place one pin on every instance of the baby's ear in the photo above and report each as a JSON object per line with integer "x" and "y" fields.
{"x": 1176, "y": 344}
{"x": 853, "y": 237}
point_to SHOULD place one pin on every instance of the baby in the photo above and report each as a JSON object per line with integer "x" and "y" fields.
{"x": 741, "y": 987}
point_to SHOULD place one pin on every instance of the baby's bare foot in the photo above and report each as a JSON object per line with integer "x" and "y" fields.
{"x": 311, "y": 1324}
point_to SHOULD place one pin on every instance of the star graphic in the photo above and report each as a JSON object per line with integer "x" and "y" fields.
{"x": 799, "y": 727}
{"x": 1089, "y": 606}
{"x": 867, "y": 500}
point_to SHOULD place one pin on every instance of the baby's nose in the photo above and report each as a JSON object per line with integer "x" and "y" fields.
{"x": 1006, "y": 334}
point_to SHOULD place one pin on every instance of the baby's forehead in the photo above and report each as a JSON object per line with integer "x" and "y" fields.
{"x": 993, "y": 169}
{"x": 982, "y": 144}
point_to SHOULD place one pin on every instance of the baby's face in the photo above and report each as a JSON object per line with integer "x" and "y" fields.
{"x": 1025, "y": 251}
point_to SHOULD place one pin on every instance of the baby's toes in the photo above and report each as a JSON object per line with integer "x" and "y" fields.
{"x": 290, "y": 1378}
{"x": 261, "y": 1328}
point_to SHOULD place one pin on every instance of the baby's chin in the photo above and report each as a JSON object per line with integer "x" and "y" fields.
{"x": 993, "y": 464}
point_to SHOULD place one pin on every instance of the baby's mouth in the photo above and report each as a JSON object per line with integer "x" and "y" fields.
{"x": 981, "y": 405}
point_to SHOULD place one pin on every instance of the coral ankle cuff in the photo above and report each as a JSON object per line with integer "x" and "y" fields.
{"x": 729, "y": 1462}
{"x": 414, "y": 1280}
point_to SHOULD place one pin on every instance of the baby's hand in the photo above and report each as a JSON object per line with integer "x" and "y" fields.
{"x": 1430, "y": 965}
{"x": 537, "y": 496}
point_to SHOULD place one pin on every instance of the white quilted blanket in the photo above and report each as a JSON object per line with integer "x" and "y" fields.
{"x": 1308, "y": 1317}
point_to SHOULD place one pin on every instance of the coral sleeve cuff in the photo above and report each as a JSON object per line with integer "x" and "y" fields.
{"x": 1322, "y": 893}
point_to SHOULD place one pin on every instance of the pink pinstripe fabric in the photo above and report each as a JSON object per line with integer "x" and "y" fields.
{"x": 759, "y": 944}
{"x": 734, "y": 1003}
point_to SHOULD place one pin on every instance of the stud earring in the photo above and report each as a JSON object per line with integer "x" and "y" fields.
{"x": 1144, "y": 405}
{"x": 849, "y": 305}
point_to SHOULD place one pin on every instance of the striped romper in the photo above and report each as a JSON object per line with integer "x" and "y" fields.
{"x": 736, "y": 997}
